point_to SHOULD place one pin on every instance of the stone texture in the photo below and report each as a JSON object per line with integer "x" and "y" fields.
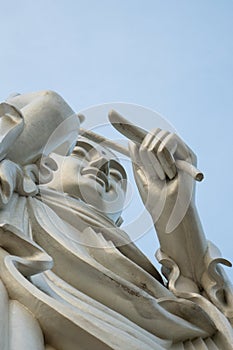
{"x": 70, "y": 276}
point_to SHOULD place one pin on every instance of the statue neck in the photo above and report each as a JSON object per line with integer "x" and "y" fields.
{"x": 73, "y": 209}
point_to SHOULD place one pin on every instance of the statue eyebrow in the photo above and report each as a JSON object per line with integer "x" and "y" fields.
{"x": 113, "y": 163}
{"x": 117, "y": 166}
{"x": 106, "y": 142}
{"x": 85, "y": 145}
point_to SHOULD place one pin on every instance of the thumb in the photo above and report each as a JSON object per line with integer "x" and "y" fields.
{"x": 139, "y": 175}
{"x": 134, "y": 153}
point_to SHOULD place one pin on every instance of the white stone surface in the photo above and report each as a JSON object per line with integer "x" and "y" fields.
{"x": 70, "y": 277}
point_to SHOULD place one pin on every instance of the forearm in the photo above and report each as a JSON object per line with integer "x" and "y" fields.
{"x": 185, "y": 244}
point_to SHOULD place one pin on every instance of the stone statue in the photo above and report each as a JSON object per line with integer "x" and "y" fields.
{"x": 70, "y": 276}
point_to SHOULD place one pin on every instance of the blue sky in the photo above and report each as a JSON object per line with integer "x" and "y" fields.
{"x": 175, "y": 57}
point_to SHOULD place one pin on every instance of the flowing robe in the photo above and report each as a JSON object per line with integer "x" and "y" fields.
{"x": 73, "y": 273}
{"x": 69, "y": 279}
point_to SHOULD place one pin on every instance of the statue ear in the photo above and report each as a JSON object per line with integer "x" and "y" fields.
{"x": 11, "y": 126}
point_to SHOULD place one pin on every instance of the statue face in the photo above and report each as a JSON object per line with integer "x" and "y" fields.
{"x": 93, "y": 174}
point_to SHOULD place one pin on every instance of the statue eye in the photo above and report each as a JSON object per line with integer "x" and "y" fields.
{"x": 81, "y": 153}
{"x": 116, "y": 174}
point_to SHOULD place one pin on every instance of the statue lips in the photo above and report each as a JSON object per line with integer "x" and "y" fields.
{"x": 99, "y": 176}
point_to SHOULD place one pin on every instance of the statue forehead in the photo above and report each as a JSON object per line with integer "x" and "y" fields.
{"x": 99, "y": 147}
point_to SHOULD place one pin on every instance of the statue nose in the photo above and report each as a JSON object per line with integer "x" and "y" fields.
{"x": 101, "y": 163}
